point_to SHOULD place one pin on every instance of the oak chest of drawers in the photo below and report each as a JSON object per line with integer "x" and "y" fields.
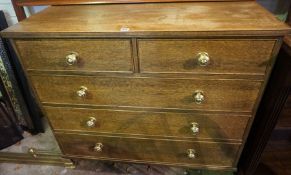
{"x": 166, "y": 83}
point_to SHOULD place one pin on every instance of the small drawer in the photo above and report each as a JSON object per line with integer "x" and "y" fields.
{"x": 180, "y": 125}
{"x": 168, "y": 152}
{"x": 189, "y": 94}
{"x": 204, "y": 56}
{"x": 91, "y": 55}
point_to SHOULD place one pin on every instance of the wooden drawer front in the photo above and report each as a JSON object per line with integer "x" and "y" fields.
{"x": 148, "y": 123}
{"x": 226, "y": 56}
{"x": 160, "y": 151}
{"x": 231, "y": 95}
{"x": 93, "y": 54}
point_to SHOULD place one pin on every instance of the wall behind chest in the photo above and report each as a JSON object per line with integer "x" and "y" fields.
{"x": 9, "y": 12}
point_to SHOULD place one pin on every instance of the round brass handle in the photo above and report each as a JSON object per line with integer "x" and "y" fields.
{"x": 91, "y": 122}
{"x": 72, "y": 58}
{"x": 199, "y": 97}
{"x": 195, "y": 128}
{"x": 203, "y": 59}
{"x": 32, "y": 152}
{"x": 191, "y": 153}
{"x": 82, "y": 91}
{"x": 98, "y": 147}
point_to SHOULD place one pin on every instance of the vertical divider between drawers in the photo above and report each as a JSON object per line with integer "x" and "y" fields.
{"x": 134, "y": 54}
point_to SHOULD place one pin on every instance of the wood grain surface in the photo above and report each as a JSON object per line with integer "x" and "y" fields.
{"x": 192, "y": 18}
{"x": 220, "y": 95}
{"x": 74, "y": 2}
{"x": 142, "y": 123}
{"x": 93, "y": 54}
{"x": 226, "y": 56}
{"x": 171, "y": 152}
{"x": 141, "y": 60}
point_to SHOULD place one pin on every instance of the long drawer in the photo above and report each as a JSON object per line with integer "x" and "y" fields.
{"x": 180, "y": 125}
{"x": 204, "y": 56}
{"x": 76, "y": 54}
{"x": 171, "y": 152}
{"x": 230, "y": 95}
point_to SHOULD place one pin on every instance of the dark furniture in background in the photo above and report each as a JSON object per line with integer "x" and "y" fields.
{"x": 31, "y": 112}
{"x": 10, "y": 133}
{"x": 274, "y": 105}
{"x": 274, "y": 112}
{"x": 277, "y": 155}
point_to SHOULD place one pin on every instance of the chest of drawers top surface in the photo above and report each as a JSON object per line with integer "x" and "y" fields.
{"x": 194, "y": 18}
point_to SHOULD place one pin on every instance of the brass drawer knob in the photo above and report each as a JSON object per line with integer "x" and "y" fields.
{"x": 203, "y": 59}
{"x": 32, "y": 152}
{"x": 91, "y": 122}
{"x": 198, "y": 97}
{"x": 195, "y": 128}
{"x": 98, "y": 147}
{"x": 72, "y": 58}
{"x": 191, "y": 153}
{"x": 82, "y": 91}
